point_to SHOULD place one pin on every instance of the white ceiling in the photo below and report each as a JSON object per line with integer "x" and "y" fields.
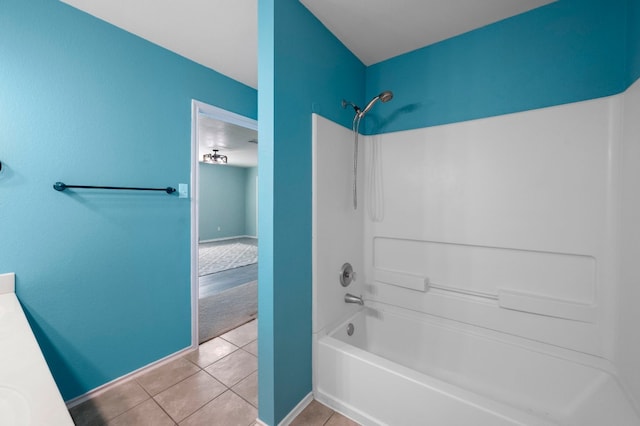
{"x": 375, "y": 30}
{"x": 223, "y": 35}
{"x": 219, "y": 34}
{"x": 230, "y": 139}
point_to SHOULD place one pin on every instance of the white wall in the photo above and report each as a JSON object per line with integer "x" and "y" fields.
{"x": 508, "y": 218}
{"x": 525, "y": 224}
{"x": 628, "y": 337}
{"x": 337, "y": 227}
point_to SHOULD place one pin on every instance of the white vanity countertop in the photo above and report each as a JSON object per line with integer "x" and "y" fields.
{"x": 28, "y": 394}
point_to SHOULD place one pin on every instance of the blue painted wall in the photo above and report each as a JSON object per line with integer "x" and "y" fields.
{"x": 633, "y": 41}
{"x": 103, "y": 276}
{"x": 266, "y": 244}
{"x": 251, "y": 199}
{"x": 567, "y": 51}
{"x": 303, "y": 68}
{"x": 226, "y": 200}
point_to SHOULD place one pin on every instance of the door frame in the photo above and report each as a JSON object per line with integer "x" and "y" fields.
{"x": 198, "y": 108}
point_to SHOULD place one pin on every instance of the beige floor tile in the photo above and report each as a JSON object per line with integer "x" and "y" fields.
{"x": 234, "y": 367}
{"x": 242, "y": 335}
{"x": 108, "y": 405}
{"x": 248, "y": 388}
{"x": 226, "y": 410}
{"x": 338, "y": 419}
{"x": 148, "y": 413}
{"x": 184, "y": 398}
{"x": 165, "y": 376}
{"x": 252, "y": 347}
{"x": 315, "y": 414}
{"x": 211, "y": 351}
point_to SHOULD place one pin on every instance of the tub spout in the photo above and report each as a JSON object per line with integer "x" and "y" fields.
{"x": 350, "y": 298}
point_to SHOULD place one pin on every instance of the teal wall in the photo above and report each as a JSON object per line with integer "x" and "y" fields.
{"x": 633, "y": 41}
{"x": 303, "y": 68}
{"x": 104, "y": 277}
{"x": 227, "y": 200}
{"x": 251, "y": 198}
{"x": 567, "y": 51}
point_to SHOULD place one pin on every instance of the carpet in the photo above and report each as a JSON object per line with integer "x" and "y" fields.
{"x": 226, "y": 310}
{"x": 222, "y": 255}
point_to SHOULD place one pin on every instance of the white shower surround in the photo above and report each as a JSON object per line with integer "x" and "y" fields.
{"x": 400, "y": 368}
{"x": 514, "y": 223}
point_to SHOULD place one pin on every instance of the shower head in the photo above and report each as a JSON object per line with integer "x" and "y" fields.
{"x": 385, "y": 96}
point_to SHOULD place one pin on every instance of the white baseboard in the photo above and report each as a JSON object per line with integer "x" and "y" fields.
{"x": 227, "y": 238}
{"x": 110, "y": 385}
{"x": 297, "y": 410}
{"x": 345, "y": 409}
{"x": 293, "y": 413}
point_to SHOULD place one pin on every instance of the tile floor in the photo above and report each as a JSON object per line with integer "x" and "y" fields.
{"x": 215, "y": 385}
{"x": 316, "y": 414}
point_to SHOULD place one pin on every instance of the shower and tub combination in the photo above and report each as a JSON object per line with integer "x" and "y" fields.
{"x": 481, "y": 285}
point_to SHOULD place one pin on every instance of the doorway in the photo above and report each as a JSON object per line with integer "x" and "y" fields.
{"x": 224, "y": 207}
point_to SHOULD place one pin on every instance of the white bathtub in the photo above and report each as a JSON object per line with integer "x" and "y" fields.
{"x": 401, "y": 368}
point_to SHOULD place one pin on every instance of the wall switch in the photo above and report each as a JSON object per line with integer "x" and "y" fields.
{"x": 183, "y": 190}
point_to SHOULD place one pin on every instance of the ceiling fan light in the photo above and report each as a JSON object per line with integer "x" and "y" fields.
{"x": 214, "y": 158}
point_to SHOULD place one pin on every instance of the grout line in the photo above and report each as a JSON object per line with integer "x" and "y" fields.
{"x": 229, "y": 387}
{"x": 143, "y": 388}
{"x": 101, "y": 390}
{"x": 247, "y": 352}
{"x": 156, "y": 402}
{"x": 188, "y": 360}
{"x": 164, "y": 411}
{"x": 170, "y": 386}
{"x": 220, "y": 359}
{"x": 130, "y": 408}
{"x": 134, "y": 378}
{"x": 329, "y": 418}
{"x": 200, "y": 369}
{"x": 94, "y": 406}
{"x": 216, "y": 378}
{"x": 242, "y": 397}
{"x": 206, "y": 403}
{"x": 203, "y": 405}
{"x": 333, "y": 413}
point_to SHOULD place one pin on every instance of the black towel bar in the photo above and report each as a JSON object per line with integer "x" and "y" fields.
{"x": 59, "y": 186}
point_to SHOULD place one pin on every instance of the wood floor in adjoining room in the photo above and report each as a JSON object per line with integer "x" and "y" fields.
{"x": 228, "y": 295}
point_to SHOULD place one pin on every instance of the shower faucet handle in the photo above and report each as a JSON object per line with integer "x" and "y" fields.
{"x": 347, "y": 274}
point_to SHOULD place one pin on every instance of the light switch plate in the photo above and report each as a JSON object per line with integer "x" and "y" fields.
{"x": 183, "y": 190}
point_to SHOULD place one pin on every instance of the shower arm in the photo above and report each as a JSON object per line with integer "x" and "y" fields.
{"x": 355, "y": 107}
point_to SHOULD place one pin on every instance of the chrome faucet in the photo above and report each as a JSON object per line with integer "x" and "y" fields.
{"x": 350, "y": 298}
